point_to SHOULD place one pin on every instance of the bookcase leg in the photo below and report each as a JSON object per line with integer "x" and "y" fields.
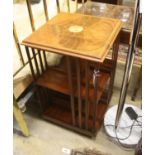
{"x": 79, "y": 92}
{"x": 87, "y": 94}
{"x": 114, "y": 59}
{"x": 30, "y": 62}
{"x": 71, "y": 89}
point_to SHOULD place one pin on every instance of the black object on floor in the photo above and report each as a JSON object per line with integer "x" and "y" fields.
{"x": 131, "y": 113}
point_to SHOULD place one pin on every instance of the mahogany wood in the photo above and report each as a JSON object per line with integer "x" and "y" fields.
{"x": 71, "y": 89}
{"x": 30, "y": 62}
{"x": 92, "y": 43}
{"x": 79, "y": 89}
{"x": 58, "y": 81}
{"x": 60, "y": 111}
{"x": 36, "y": 63}
{"x": 123, "y": 13}
{"x": 85, "y": 41}
{"x": 45, "y": 60}
{"x": 87, "y": 94}
{"x": 41, "y": 61}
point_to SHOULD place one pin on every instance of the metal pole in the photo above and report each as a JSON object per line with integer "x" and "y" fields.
{"x": 30, "y": 15}
{"x": 129, "y": 62}
{"x": 18, "y": 45}
{"x": 58, "y": 6}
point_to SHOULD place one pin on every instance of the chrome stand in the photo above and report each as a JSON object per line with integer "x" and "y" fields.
{"x": 129, "y": 62}
{"x": 115, "y": 127}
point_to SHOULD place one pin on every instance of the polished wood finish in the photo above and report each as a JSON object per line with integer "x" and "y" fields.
{"x": 58, "y": 81}
{"x": 114, "y": 63}
{"x": 41, "y": 61}
{"x": 87, "y": 93}
{"x": 79, "y": 89}
{"x": 30, "y": 63}
{"x": 93, "y": 43}
{"x": 59, "y": 113}
{"x": 71, "y": 89}
{"x": 45, "y": 60}
{"x": 123, "y": 13}
{"x": 76, "y": 87}
{"x": 36, "y": 63}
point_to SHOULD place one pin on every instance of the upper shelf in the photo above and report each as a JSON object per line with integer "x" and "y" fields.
{"x": 58, "y": 81}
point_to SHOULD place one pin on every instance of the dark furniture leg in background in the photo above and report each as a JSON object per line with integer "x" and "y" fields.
{"x": 107, "y": 1}
{"x": 138, "y": 83}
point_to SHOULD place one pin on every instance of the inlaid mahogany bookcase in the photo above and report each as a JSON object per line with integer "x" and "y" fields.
{"x": 76, "y": 93}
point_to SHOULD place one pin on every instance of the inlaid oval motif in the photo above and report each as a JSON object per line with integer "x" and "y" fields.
{"x": 75, "y": 28}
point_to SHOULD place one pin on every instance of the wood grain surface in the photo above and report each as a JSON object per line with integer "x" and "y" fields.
{"x": 92, "y": 43}
{"x": 123, "y": 13}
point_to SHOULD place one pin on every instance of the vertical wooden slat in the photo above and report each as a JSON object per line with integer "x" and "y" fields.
{"x": 41, "y": 62}
{"x": 79, "y": 91}
{"x": 30, "y": 14}
{"x": 68, "y": 6}
{"x": 17, "y": 45}
{"x": 45, "y": 10}
{"x": 71, "y": 89}
{"x": 87, "y": 94}
{"x": 30, "y": 62}
{"x": 58, "y": 6}
{"x": 45, "y": 59}
{"x": 35, "y": 61}
{"x": 114, "y": 59}
{"x": 115, "y": 49}
{"x": 47, "y": 18}
{"x": 95, "y": 98}
{"x": 39, "y": 99}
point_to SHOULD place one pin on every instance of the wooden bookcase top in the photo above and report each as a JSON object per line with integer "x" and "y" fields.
{"x": 84, "y": 36}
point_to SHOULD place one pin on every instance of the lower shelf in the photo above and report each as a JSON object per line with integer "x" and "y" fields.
{"x": 60, "y": 113}
{"x": 58, "y": 106}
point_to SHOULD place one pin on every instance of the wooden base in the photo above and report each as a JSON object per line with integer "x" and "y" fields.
{"x": 84, "y": 73}
{"x": 57, "y": 108}
{"x": 59, "y": 112}
{"x": 56, "y": 79}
